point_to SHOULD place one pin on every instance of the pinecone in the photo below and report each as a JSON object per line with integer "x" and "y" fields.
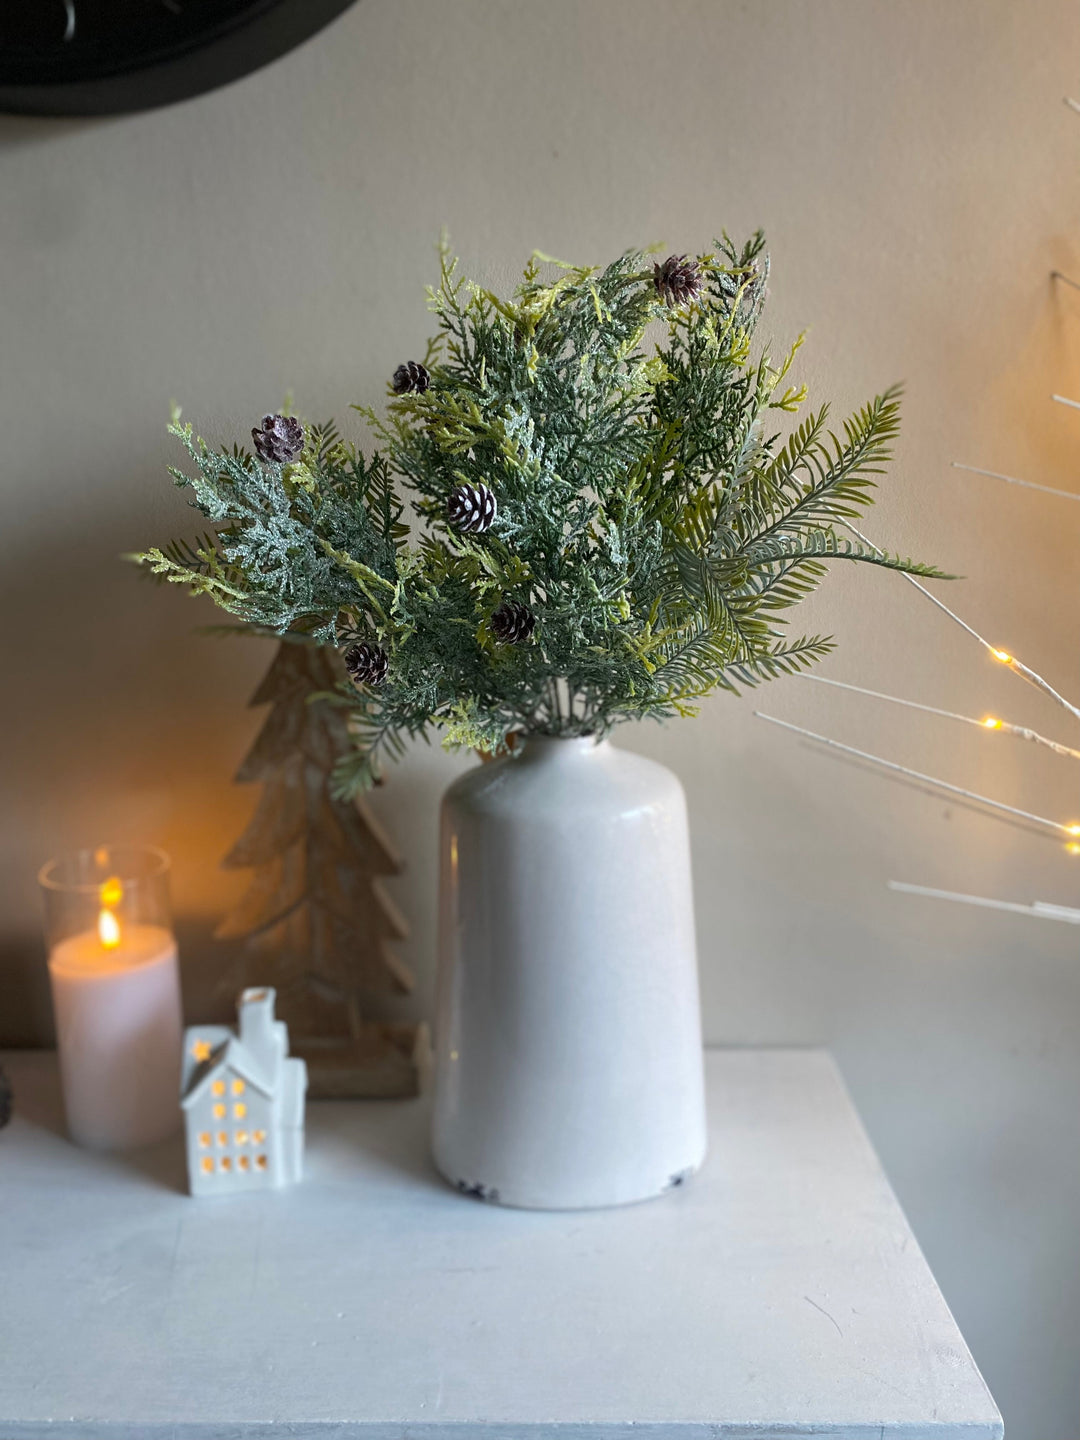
{"x": 280, "y": 438}
{"x": 367, "y": 664}
{"x": 411, "y": 376}
{"x": 512, "y": 622}
{"x": 677, "y": 280}
{"x": 5, "y": 1099}
{"x": 472, "y": 508}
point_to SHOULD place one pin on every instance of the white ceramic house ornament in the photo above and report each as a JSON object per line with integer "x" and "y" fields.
{"x": 243, "y": 1102}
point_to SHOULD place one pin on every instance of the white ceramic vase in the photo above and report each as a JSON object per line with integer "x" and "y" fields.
{"x": 568, "y": 1062}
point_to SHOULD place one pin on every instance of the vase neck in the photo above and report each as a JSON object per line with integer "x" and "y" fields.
{"x": 561, "y": 747}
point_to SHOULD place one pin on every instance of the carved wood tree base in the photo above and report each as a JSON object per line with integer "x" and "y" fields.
{"x": 315, "y": 921}
{"x": 383, "y": 1063}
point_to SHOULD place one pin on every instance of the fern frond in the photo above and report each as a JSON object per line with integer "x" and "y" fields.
{"x": 788, "y": 659}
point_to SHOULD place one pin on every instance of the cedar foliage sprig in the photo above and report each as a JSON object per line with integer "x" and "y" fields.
{"x": 649, "y": 531}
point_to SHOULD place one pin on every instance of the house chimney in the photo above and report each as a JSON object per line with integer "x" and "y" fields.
{"x": 257, "y": 1023}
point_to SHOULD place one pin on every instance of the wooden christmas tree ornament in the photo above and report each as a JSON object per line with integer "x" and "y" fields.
{"x": 315, "y": 921}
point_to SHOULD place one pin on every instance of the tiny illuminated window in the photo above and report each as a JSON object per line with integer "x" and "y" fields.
{"x": 226, "y": 1163}
{"x": 208, "y": 1165}
{"x": 200, "y": 1051}
{"x": 238, "y": 1087}
{"x": 240, "y": 1137}
{"x": 244, "y": 1163}
{"x": 219, "y": 1112}
{"x": 260, "y": 1161}
{"x": 258, "y": 1136}
{"x": 222, "y": 1137}
{"x": 204, "y": 1138}
{"x": 218, "y": 1087}
{"x": 239, "y": 1110}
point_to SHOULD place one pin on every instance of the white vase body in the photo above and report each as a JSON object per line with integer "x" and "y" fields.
{"x": 568, "y": 1063}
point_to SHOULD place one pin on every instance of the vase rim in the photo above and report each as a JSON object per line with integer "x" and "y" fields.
{"x": 536, "y": 742}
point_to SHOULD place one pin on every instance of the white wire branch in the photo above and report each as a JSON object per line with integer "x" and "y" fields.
{"x": 1012, "y": 480}
{"x": 1072, "y": 830}
{"x": 1009, "y": 661}
{"x": 1064, "y": 400}
{"x": 990, "y": 722}
{"x": 1040, "y": 909}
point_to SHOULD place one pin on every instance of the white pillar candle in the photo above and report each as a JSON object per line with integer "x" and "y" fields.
{"x": 116, "y": 996}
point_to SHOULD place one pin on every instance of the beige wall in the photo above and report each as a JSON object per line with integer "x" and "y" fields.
{"x": 917, "y": 175}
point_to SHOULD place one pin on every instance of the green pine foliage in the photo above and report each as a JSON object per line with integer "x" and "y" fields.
{"x": 650, "y": 516}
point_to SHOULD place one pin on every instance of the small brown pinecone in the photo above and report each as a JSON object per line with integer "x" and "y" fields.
{"x": 5, "y": 1099}
{"x": 367, "y": 664}
{"x": 412, "y": 376}
{"x": 512, "y": 622}
{"x": 472, "y": 508}
{"x": 279, "y": 438}
{"x": 677, "y": 280}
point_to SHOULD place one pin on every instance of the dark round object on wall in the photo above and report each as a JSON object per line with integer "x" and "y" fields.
{"x": 103, "y": 57}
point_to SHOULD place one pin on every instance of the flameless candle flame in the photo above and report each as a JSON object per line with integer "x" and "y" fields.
{"x": 110, "y": 894}
{"x": 108, "y": 930}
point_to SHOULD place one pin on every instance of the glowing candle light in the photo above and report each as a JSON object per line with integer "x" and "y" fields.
{"x": 116, "y": 996}
{"x": 108, "y": 930}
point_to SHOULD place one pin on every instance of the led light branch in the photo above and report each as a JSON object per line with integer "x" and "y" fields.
{"x": 1039, "y": 909}
{"x": 1012, "y": 480}
{"x": 1072, "y": 829}
{"x": 989, "y": 722}
{"x": 1002, "y": 656}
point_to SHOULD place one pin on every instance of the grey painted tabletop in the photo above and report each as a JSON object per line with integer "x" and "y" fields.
{"x": 780, "y": 1293}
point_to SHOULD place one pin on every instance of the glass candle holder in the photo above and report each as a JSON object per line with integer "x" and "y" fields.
{"x": 116, "y": 994}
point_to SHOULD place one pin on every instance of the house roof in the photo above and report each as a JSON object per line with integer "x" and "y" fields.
{"x": 232, "y": 1054}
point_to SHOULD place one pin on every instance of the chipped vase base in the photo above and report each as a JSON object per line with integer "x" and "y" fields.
{"x": 568, "y": 1062}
